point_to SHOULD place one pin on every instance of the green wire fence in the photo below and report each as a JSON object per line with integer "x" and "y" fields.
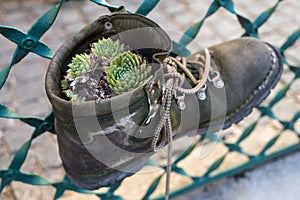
{"x": 29, "y": 42}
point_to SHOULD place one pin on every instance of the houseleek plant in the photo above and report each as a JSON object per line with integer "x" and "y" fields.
{"x": 109, "y": 69}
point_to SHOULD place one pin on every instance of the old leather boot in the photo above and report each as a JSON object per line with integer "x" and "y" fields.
{"x": 101, "y": 143}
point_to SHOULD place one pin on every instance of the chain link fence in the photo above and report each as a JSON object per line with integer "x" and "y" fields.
{"x": 233, "y": 151}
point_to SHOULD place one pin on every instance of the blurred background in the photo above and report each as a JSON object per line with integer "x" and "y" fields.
{"x": 24, "y": 93}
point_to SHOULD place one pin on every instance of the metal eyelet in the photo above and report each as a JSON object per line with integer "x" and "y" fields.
{"x": 201, "y": 94}
{"x": 180, "y": 102}
{"x": 108, "y": 25}
{"x": 216, "y": 80}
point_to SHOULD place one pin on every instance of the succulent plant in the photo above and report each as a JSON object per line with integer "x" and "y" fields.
{"x": 126, "y": 72}
{"x": 108, "y": 68}
{"x": 107, "y": 48}
{"x": 78, "y": 66}
{"x": 74, "y": 97}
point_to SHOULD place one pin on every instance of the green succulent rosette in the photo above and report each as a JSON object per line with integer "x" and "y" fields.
{"x": 127, "y": 71}
{"x": 108, "y": 69}
{"x": 78, "y": 66}
{"x": 107, "y": 48}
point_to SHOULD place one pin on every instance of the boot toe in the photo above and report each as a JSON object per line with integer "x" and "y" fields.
{"x": 249, "y": 69}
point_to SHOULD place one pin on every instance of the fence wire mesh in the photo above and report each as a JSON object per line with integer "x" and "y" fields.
{"x": 277, "y": 134}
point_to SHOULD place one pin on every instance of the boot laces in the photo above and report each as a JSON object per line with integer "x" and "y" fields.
{"x": 173, "y": 87}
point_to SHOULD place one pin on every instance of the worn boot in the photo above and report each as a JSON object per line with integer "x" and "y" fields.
{"x": 101, "y": 143}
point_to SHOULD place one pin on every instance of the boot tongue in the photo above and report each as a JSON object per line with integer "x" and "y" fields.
{"x": 196, "y": 70}
{"x": 196, "y": 63}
